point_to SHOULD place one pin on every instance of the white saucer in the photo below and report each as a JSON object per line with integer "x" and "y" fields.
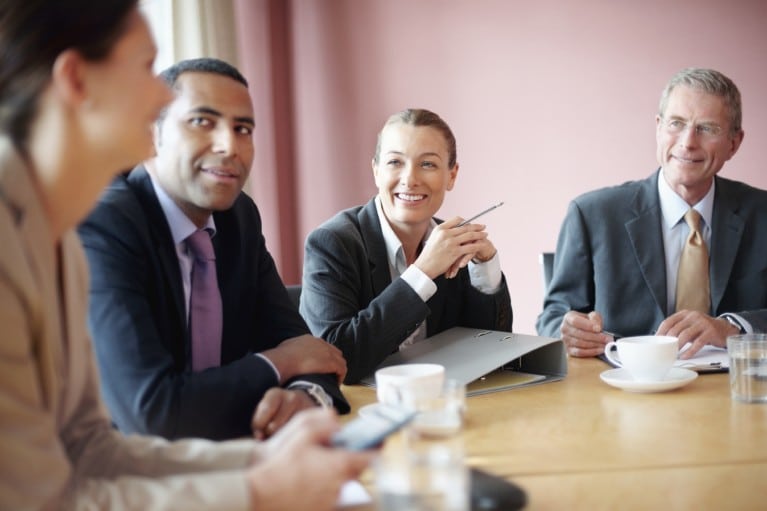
{"x": 677, "y": 377}
{"x": 375, "y": 410}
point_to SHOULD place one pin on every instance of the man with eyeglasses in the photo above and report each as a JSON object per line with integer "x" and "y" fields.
{"x": 622, "y": 266}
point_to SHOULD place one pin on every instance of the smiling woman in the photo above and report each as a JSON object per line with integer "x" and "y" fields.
{"x": 77, "y": 101}
{"x": 374, "y": 274}
{"x": 58, "y": 101}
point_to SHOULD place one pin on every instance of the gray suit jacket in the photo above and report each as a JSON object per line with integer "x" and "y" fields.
{"x": 58, "y": 449}
{"x": 610, "y": 258}
{"x": 349, "y": 299}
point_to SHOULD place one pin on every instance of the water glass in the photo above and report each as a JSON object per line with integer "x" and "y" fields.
{"x": 748, "y": 367}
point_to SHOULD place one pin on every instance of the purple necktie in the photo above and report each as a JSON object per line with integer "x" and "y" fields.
{"x": 205, "y": 311}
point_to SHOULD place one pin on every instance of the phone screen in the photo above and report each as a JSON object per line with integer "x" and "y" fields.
{"x": 371, "y": 429}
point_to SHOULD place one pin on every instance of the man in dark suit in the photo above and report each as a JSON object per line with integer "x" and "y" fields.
{"x": 143, "y": 279}
{"x": 619, "y": 249}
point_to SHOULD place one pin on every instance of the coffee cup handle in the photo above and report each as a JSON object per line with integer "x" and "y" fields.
{"x": 391, "y": 395}
{"x": 609, "y": 354}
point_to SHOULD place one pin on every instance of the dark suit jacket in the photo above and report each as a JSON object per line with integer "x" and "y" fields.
{"x": 349, "y": 299}
{"x": 138, "y": 319}
{"x": 610, "y": 258}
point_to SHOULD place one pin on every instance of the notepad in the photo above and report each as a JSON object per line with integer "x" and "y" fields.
{"x": 708, "y": 359}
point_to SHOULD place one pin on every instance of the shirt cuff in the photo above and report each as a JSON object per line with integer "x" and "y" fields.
{"x": 274, "y": 367}
{"x": 738, "y": 321}
{"x": 486, "y": 276}
{"x": 420, "y": 282}
{"x": 315, "y": 392}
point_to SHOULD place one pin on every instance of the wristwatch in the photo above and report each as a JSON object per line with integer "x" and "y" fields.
{"x": 734, "y": 322}
{"x": 315, "y": 392}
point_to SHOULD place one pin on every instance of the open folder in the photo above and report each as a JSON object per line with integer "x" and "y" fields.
{"x": 486, "y": 360}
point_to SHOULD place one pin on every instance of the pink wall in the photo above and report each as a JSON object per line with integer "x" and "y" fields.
{"x": 548, "y": 99}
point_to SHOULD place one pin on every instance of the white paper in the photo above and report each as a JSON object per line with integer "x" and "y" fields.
{"x": 353, "y": 494}
{"x": 709, "y": 358}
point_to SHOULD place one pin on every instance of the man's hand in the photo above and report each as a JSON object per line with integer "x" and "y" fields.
{"x": 582, "y": 334}
{"x": 450, "y": 248}
{"x": 296, "y": 469}
{"x": 698, "y": 329}
{"x": 306, "y": 354}
{"x": 275, "y": 409}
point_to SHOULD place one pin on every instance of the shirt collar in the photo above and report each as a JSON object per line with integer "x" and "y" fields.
{"x": 181, "y": 227}
{"x": 394, "y": 253}
{"x": 673, "y": 207}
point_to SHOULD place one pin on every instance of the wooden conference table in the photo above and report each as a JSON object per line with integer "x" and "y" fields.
{"x": 581, "y": 444}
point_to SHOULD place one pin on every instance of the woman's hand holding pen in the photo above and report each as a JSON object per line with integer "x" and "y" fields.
{"x": 451, "y": 246}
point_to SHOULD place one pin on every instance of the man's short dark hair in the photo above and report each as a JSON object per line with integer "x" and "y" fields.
{"x": 200, "y": 65}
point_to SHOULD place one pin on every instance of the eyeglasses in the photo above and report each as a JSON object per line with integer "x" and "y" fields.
{"x": 676, "y": 126}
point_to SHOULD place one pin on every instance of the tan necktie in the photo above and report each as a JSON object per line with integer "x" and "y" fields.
{"x": 692, "y": 286}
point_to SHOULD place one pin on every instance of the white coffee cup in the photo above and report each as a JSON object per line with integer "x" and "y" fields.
{"x": 409, "y": 384}
{"x": 646, "y": 358}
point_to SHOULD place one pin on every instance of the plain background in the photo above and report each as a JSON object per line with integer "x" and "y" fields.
{"x": 547, "y": 99}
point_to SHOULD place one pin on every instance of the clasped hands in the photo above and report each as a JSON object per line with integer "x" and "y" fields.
{"x": 450, "y": 248}
{"x": 584, "y": 337}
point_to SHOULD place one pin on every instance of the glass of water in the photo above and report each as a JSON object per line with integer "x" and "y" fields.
{"x": 424, "y": 476}
{"x": 748, "y": 367}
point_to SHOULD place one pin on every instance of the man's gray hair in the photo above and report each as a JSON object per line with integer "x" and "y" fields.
{"x": 711, "y": 82}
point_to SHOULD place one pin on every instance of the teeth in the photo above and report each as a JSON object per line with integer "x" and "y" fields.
{"x": 410, "y": 197}
{"x": 220, "y": 173}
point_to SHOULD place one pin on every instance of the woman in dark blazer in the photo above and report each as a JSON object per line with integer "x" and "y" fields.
{"x": 384, "y": 275}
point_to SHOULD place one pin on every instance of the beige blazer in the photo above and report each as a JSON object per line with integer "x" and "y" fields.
{"x": 57, "y": 447}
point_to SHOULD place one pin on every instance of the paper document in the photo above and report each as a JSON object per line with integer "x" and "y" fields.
{"x": 502, "y": 379}
{"x": 353, "y": 494}
{"x": 708, "y": 359}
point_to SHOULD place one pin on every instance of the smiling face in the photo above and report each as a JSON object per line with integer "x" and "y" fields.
{"x": 205, "y": 144}
{"x": 412, "y": 175}
{"x": 118, "y": 120}
{"x": 694, "y": 140}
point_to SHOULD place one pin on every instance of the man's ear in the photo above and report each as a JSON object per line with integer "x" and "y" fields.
{"x": 68, "y": 77}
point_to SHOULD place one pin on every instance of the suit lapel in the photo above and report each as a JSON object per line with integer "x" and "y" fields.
{"x": 726, "y": 231}
{"x": 159, "y": 234}
{"x": 644, "y": 233}
{"x": 372, "y": 237}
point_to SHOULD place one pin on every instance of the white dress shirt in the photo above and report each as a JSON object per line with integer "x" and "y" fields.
{"x": 675, "y": 232}
{"x": 485, "y": 277}
{"x": 181, "y": 227}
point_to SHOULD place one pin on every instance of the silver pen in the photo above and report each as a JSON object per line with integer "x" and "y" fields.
{"x": 488, "y": 210}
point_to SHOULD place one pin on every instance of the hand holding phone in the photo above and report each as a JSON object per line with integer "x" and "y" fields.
{"x": 370, "y": 430}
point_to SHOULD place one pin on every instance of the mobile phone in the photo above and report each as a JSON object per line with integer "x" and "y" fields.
{"x": 370, "y": 430}
{"x": 490, "y": 492}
